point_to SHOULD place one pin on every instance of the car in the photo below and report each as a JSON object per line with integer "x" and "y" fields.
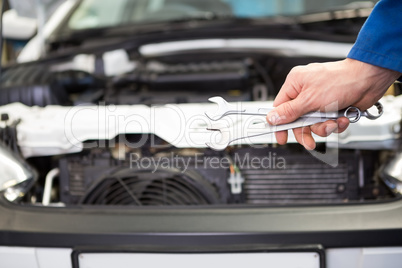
{"x": 106, "y": 131}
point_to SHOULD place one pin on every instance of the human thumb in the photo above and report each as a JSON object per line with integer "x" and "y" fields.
{"x": 286, "y": 112}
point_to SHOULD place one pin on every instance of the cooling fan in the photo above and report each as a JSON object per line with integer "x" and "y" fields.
{"x": 160, "y": 187}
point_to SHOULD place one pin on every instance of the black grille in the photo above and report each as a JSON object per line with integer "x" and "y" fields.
{"x": 97, "y": 179}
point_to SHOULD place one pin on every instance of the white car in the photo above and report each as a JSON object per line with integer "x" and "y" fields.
{"x": 105, "y": 142}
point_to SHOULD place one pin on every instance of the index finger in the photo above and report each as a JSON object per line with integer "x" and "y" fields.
{"x": 286, "y": 93}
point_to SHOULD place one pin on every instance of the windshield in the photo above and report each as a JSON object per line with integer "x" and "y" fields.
{"x": 106, "y": 13}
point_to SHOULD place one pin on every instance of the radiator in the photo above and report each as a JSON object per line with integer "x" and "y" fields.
{"x": 302, "y": 179}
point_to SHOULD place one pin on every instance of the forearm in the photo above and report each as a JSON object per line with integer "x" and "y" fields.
{"x": 380, "y": 39}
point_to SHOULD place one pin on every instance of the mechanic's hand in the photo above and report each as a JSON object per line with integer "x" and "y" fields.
{"x": 327, "y": 87}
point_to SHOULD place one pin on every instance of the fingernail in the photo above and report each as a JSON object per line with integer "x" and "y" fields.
{"x": 308, "y": 147}
{"x": 273, "y": 118}
{"x": 330, "y": 128}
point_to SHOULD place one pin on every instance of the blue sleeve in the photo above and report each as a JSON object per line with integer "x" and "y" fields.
{"x": 380, "y": 39}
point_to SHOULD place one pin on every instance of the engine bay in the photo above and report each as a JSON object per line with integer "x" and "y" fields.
{"x": 137, "y": 138}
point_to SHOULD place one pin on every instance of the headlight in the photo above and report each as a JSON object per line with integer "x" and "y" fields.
{"x": 391, "y": 174}
{"x": 15, "y": 176}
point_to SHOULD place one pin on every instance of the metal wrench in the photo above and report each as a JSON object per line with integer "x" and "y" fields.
{"x": 227, "y": 132}
{"x": 352, "y": 113}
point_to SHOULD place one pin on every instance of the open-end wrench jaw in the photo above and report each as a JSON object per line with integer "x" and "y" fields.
{"x": 224, "y": 109}
{"x": 222, "y": 140}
